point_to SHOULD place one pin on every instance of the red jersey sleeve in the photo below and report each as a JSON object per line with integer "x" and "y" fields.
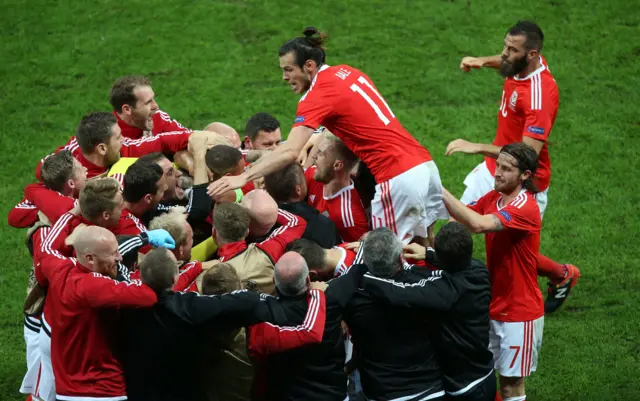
{"x": 354, "y": 218}
{"x": 266, "y": 339}
{"x": 24, "y": 214}
{"x": 54, "y": 244}
{"x": 540, "y": 109}
{"x": 317, "y": 104}
{"x": 168, "y": 142}
{"x": 291, "y": 228}
{"x": 188, "y": 276}
{"x": 480, "y": 205}
{"x": 129, "y": 225}
{"x": 38, "y": 238}
{"x": 52, "y": 203}
{"x": 96, "y": 291}
{"x": 521, "y": 214}
{"x": 166, "y": 123}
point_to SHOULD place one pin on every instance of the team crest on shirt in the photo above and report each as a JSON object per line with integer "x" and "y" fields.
{"x": 312, "y": 198}
{"x": 325, "y": 213}
{"x": 512, "y": 100}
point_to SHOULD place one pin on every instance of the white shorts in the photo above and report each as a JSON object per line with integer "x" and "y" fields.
{"x": 410, "y": 202}
{"x": 31, "y": 338}
{"x": 480, "y": 181}
{"x": 516, "y": 346}
{"x": 46, "y": 388}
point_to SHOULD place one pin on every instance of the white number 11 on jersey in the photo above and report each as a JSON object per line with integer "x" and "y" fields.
{"x": 358, "y": 89}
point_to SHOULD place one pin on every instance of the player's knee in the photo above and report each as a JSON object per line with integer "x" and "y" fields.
{"x": 512, "y": 388}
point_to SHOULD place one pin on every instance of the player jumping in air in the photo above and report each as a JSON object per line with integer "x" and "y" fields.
{"x": 527, "y": 113}
{"x": 346, "y": 101}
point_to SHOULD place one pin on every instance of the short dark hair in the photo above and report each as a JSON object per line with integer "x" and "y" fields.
{"x": 57, "y": 169}
{"x": 454, "y": 246}
{"x": 231, "y": 221}
{"x": 260, "y": 122}
{"x": 527, "y": 159}
{"x": 310, "y": 46}
{"x": 312, "y": 253}
{"x": 221, "y": 159}
{"x": 94, "y": 129}
{"x": 220, "y": 279}
{"x": 281, "y": 185}
{"x": 158, "y": 269}
{"x": 532, "y": 32}
{"x": 140, "y": 179}
{"x": 122, "y": 91}
{"x": 154, "y": 157}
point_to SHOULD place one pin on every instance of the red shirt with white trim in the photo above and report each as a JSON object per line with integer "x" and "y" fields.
{"x": 528, "y": 109}
{"x": 81, "y": 338}
{"x": 23, "y": 215}
{"x": 344, "y": 208}
{"x": 162, "y": 122}
{"x": 348, "y": 257}
{"x": 167, "y": 143}
{"x": 345, "y": 101}
{"x": 512, "y": 257}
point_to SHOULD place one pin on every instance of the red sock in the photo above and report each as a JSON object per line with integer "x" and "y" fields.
{"x": 554, "y": 271}
{"x": 29, "y": 398}
{"x": 498, "y": 398}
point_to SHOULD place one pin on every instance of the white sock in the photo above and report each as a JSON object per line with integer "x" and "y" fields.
{"x": 519, "y": 398}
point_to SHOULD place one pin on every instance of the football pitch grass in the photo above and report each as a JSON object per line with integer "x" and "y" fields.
{"x": 217, "y": 61}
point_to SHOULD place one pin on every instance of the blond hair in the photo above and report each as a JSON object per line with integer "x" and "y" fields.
{"x": 174, "y": 223}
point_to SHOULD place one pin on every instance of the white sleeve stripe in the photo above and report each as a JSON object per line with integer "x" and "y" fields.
{"x": 292, "y": 220}
{"x": 55, "y": 232}
{"x": 420, "y": 283}
{"x": 536, "y": 92}
{"x": 310, "y": 318}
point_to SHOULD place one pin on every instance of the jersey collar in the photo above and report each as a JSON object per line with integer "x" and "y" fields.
{"x": 322, "y": 68}
{"x": 228, "y": 251}
{"x": 533, "y": 74}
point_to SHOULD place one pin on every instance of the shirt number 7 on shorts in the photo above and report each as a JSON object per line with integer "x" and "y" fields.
{"x": 517, "y": 348}
{"x": 361, "y": 91}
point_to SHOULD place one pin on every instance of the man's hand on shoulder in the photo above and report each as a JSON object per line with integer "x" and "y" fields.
{"x": 318, "y": 285}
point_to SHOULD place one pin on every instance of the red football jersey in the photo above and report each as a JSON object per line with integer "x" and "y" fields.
{"x": 512, "y": 257}
{"x": 84, "y": 364}
{"x": 528, "y": 109}
{"x": 167, "y": 143}
{"x": 348, "y": 258}
{"x": 162, "y": 122}
{"x": 345, "y": 101}
{"x": 344, "y": 208}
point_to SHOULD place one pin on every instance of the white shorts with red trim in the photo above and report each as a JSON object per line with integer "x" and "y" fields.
{"x": 516, "y": 346}
{"x": 31, "y": 333}
{"x": 46, "y": 387}
{"x": 410, "y": 202}
{"x": 480, "y": 181}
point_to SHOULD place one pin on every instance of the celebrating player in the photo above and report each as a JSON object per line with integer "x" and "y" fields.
{"x": 510, "y": 218}
{"x": 527, "y": 112}
{"x": 346, "y": 101}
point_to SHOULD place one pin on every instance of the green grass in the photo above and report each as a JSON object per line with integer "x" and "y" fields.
{"x": 217, "y": 61}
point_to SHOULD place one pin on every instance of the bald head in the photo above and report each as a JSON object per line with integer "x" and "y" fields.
{"x": 92, "y": 239}
{"x": 291, "y": 274}
{"x": 263, "y": 211}
{"x": 97, "y": 250}
{"x": 230, "y": 134}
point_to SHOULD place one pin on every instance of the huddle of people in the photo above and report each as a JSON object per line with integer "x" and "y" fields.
{"x": 179, "y": 264}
